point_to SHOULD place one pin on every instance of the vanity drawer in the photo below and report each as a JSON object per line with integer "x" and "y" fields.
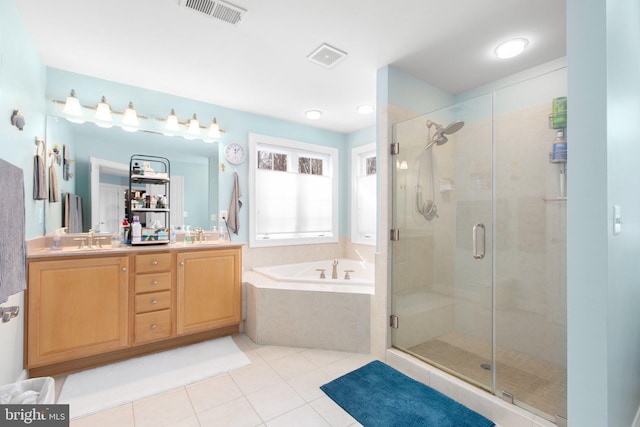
{"x": 149, "y": 263}
{"x": 153, "y": 301}
{"x": 152, "y": 326}
{"x": 153, "y": 282}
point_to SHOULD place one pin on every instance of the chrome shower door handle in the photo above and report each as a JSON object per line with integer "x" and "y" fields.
{"x": 479, "y": 254}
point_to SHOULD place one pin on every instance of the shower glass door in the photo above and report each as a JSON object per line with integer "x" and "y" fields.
{"x": 442, "y": 268}
{"x": 479, "y": 270}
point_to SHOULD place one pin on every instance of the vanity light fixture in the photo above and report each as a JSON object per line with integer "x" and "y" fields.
{"x": 103, "y": 114}
{"x": 214, "y": 129}
{"x": 130, "y": 121}
{"x": 172, "y": 123}
{"x": 364, "y": 109}
{"x": 511, "y": 48}
{"x": 313, "y": 114}
{"x": 73, "y": 109}
{"x": 194, "y": 127}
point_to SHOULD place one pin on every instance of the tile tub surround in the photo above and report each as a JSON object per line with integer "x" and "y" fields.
{"x": 294, "y": 318}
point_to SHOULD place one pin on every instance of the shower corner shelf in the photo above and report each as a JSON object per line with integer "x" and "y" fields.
{"x": 555, "y": 199}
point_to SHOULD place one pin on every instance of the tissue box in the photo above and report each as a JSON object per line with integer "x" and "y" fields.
{"x": 155, "y": 234}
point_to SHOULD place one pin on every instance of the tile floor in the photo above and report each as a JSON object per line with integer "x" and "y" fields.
{"x": 279, "y": 388}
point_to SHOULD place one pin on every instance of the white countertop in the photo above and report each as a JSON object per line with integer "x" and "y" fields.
{"x": 40, "y": 248}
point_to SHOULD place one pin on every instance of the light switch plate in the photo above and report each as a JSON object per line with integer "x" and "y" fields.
{"x": 617, "y": 220}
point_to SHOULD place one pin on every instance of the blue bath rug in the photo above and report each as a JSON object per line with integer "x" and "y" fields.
{"x": 379, "y": 396}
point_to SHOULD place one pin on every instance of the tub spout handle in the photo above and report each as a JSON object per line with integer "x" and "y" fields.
{"x": 346, "y": 274}
{"x": 321, "y": 270}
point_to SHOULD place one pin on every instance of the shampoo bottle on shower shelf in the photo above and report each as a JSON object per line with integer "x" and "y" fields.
{"x": 559, "y": 112}
{"x": 559, "y": 154}
{"x": 136, "y": 230}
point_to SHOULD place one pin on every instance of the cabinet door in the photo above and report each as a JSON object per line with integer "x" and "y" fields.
{"x": 209, "y": 290}
{"x": 76, "y": 308}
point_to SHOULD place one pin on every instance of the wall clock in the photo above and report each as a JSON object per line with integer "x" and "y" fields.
{"x": 234, "y": 153}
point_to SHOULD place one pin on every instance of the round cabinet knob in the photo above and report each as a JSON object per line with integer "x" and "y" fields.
{"x": 124, "y": 269}
{"x": 154, "y": 302}
{"x": 153, "y": 326}
{"x": 154, "y": 282}
{"x": 154, "y": 262}
{"x": 181, "y": 263}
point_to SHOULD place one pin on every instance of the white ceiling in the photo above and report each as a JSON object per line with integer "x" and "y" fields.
{"x": 261, "y": 65}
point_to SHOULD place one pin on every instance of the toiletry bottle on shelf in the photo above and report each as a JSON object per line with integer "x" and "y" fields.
{"x": 221, "y": 234}
{"x": 124, "y": 232}
{"x": 559, "y": 154}
{"x": 136, "y": 230}
{"x": 559, "y": 112}
{"x": 56, "y": 245}
{"x": 187, "y": 235}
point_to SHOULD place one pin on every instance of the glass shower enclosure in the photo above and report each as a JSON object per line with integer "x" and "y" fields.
{"x": 479, "y": 269}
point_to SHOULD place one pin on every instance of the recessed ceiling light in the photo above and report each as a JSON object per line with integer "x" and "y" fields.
{"x": 511, "y": 48}
{"x": 364, "y": 109}
{"x": 313, "y": 114}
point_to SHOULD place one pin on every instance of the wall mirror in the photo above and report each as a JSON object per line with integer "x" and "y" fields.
{"x": 101, "y": 155}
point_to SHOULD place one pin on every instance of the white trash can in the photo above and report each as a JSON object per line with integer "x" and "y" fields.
{"x": 34, "y": 391}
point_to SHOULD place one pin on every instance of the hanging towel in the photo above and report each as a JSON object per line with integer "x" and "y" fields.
{"x": 233, "y": 222}
{"x": 53, "y": 185}
{"x": 39, "y": 185}
{"x": 13, "y": 253}
{"x": 72, "y": 213}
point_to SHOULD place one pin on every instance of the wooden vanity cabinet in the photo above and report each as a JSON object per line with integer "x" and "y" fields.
{"x": 209, "y": 289}
{"x": 76, "y": 308}
{"x": 84, "y": 311}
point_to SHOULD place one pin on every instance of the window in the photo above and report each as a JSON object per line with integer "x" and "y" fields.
{"x": 363, "y": 194}
{"x": 293, "y": 192}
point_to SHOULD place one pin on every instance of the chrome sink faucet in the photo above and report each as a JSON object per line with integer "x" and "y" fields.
{"x": 334, "y": 272}
{"x": 200, "y": 235}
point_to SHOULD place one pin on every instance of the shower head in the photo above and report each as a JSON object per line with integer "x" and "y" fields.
{"x": 439, "y": 137}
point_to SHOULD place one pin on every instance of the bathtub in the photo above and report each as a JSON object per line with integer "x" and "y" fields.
{"x": 306, "y": 277}
{"x": 290, "y": 305}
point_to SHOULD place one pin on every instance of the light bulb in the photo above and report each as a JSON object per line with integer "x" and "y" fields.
{"x": 73, "y": 108}
{"x": 214, "y": 129}
{"x": 511, "y": 48}
{"x": 130, "y": 121}
{"x": 103, "y": 114}
{"x": 194, "y": 126}
{"x": 172, "y": 122}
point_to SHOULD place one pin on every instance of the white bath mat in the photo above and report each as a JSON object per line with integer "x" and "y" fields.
{"x": 108, "y": 386}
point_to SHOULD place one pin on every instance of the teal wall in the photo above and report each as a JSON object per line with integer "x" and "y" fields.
{"x": 603, "y": 272}
{"x": 22, "y": 80}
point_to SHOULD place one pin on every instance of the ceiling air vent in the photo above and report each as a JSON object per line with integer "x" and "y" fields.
{"x": 219, "y": 10}
{"x": 327, "y": 56}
